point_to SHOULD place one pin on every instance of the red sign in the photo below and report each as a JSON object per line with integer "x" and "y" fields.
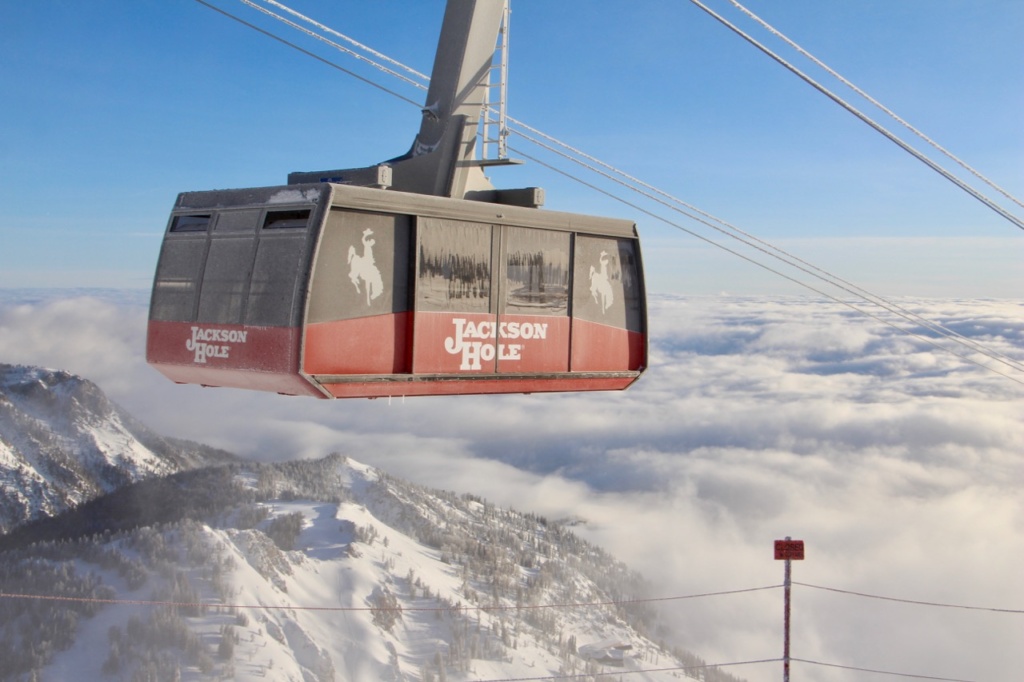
{"x": 789, "y": 550}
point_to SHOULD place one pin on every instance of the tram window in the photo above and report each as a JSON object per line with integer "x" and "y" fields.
{"x": 362, "y": 266}
{"x": 177, "y": 278}
{"x": 225, "y": 280}
{"x": 537, "y": 272}
{"x": 191, "y": 223}
{"x": 606, "y": 284}
{"x": 277, "y": 268}
{"x": 454, "y": 269}
{"x": 285, "y": 220}
{"x": 237, "y": 221}
{"x": 632, "y": 287}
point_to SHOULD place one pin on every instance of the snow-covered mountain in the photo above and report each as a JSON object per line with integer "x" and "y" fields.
{"x": 319, "y": 570}
{"x": 62, "y": 442}
{"x": 129, "y": 556}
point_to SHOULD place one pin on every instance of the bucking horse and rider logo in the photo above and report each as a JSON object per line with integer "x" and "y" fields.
{"x": 362, "y": 268}
{"x": 601, "y": 284}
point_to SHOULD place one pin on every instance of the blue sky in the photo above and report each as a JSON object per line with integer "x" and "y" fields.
{"x": 112, "y": 108}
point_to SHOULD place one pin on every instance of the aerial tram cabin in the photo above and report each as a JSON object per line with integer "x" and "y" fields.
{"x": 335, "y": 291}
{"x": 412, "y": 277}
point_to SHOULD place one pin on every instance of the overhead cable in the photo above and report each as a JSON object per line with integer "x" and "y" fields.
{"x": 911, "y": 601}
{"x": 341, "y": 48}
{"x": 496, "y": 607}
{"x": 789, "y": 259}
{"x": 428, "y": 609}
{"x": 805, "y": 285}
{"x": 769, "y": 249}
{"x": 863, "y": 117}
{"x": 879, "y": 672}
{"x": 831, "y": 279}
{"x": 306, "y": 52}
{"x": 349, "y": 40}
{"x": 486, "y": 609}
{"x": 963, "y": 164}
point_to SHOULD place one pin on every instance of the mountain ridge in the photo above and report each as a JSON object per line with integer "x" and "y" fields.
{"x": 63, "y": 442}
{"x": 317, "y": 570}
{"x": 334, "y": 570}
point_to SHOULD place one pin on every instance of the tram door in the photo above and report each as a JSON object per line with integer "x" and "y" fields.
{"x": 456, "y": 317}
{"x": 533, "y": 312}
{"x": 491, "y": 299}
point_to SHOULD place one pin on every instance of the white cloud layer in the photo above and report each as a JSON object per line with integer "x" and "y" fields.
{"x": 899, "y": 465}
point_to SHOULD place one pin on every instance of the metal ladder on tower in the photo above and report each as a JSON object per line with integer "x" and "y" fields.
{"x": 494, "y": 124}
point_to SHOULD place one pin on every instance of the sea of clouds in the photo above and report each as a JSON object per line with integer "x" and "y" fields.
{"x": 900, "y": 465}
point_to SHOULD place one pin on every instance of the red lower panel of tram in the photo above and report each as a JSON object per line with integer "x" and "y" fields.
{"x": 378, "y": 344}
{"x": 381, "y": 356}
{"x": 474, "y": 353}
{"x": 257, "y": 358}
{"x": 601, "y": 348}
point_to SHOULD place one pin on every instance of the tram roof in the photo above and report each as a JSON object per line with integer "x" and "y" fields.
{"x": 390, "y": 201}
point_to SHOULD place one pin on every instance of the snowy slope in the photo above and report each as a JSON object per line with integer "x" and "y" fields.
{"x": 63, "y": 442}
{"x": 332, "y": 570}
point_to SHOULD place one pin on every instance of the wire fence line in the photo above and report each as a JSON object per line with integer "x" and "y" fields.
{"x": 509, "y": 607}
{"x": 429, "y": 609}
{"x": 455, "y": 608}
{"x": 914, "y": 602}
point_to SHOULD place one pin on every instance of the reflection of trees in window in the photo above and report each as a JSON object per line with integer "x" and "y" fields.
{"x": 537, "y": 271}
{"x": 535, "y": 280}
{"x": 465, "y": 275}
{"x": 454, "y": 266}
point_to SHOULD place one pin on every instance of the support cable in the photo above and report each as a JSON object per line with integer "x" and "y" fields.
{"x": 307, "y": 52}
{"x": 879, "y": 672}
{"x": 351, "y": 41}
{"x": 499, "y": 607}
{"x": 270, "y": 607}
{"x": 910, "y": 601}
{"x": 880, "y": 301}
{"x": 864, "y": 118}
{"x": 891, "y": 113}
{"x": 858, "y": 309}
{"x": 772, "y": 250}
{"x": 830, "y": 278}
{"x": 428, "y": 609}
{"x": 340, "y": 48}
